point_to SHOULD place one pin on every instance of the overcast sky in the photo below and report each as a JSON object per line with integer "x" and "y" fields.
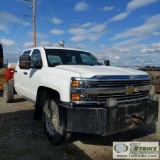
{"x": 127, "y": 32}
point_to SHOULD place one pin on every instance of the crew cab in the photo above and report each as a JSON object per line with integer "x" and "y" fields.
{"x": 73, "y": 91}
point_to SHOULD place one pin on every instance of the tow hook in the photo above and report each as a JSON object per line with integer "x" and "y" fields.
{"x": 134, "y": 119}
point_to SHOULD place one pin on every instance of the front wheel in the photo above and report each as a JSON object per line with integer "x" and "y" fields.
{"x": 54, "y": 130}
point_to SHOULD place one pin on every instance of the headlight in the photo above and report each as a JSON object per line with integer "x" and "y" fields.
{"x": 80, "y": 84}
{"x": 84, "y": 97}
{"x": 154, "y": 97}
{"x": 82, "y": 89}
{"x": 79, "y": 97}
{"x": 111, "y": 102}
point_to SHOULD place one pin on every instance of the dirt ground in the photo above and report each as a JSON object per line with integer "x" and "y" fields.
{"x": 22, "y": 138}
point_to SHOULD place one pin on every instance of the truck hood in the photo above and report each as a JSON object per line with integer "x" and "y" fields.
{"x": 90, "y": 71}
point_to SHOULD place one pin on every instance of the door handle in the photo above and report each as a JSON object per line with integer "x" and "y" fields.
{"x": 25, "y": 73}
{"x": 15, "y": 71}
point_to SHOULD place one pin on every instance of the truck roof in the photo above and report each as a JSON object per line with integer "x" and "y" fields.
{"x": 62, "y": 48}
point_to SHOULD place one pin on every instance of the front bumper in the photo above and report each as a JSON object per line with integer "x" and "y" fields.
{"x": 105, "y": 121}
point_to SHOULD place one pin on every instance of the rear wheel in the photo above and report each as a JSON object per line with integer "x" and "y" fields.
{"x": 8, "y": 92}
{"x": 54, "y": 130}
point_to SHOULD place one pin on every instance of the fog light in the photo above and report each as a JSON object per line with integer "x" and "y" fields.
{"x": 154, "y": 97}
{"x": 111, "y": 102}
{"x": 84, "y": 97}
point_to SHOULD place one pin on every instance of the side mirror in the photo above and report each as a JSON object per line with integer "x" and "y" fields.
{"x": 107, "y": 62}
{"x": 1, "y": 56}
{"x": 24, "y": 62}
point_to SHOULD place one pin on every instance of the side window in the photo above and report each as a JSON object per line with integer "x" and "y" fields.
{"x": 36, "y": 56}
{"x": 54, "y": 59}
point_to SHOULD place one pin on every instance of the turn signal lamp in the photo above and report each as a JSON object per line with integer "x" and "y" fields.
{"x": 75, "y": 83}
{"x": 75, "y": 97}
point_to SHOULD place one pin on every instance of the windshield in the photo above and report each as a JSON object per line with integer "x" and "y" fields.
{"x": 70, "y": 57}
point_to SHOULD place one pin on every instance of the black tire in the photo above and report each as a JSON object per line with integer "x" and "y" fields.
{"x": 55, "y": 132}
{"x": 8, "y": 92}
{"x": 1, "y": 93}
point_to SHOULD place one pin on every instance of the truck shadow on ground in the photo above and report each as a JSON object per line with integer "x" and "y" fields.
{"x": 17, "y": 100}
{"x": 108, "y": 140}
{"x": 23, "y": 138}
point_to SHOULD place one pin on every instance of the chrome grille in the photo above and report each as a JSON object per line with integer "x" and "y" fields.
{"x": 108, "y": 84}
{"x": 123, "y": 97}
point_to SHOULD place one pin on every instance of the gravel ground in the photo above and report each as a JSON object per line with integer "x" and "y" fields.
{"x": 21, "y": 138}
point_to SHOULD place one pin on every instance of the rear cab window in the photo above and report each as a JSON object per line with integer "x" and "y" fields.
{"x": 36, "y": 57}
{"x": 26, "y": 52}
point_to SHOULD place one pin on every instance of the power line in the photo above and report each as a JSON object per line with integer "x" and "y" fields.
{"x": 17, "y": 24}
{"x": 25, "y": 3}
{"x": 50, "y": 9}
{"x": 44, "y": 26}
{"x": 11, "y": 13}
{"x": 49, "y": 15}
{"x": 23, "y": 32}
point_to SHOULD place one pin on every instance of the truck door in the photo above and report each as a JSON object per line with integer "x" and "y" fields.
{"x": 32, "y": 77}
{"x": 20, "y": 76}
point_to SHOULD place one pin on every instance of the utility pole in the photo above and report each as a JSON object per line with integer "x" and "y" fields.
{"x": 34, "y": 22}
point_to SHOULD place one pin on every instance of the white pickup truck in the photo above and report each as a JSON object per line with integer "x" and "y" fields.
{"x": 75, "y": 92}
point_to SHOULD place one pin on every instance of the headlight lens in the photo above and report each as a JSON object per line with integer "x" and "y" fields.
{"x": 84, "y": 97}
{"x": 84, "y": 84}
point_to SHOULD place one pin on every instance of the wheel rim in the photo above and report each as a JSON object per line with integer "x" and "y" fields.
{"x": 50, "y": 121}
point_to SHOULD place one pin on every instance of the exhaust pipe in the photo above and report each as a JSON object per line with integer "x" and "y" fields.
{"x": 1, "y": 56}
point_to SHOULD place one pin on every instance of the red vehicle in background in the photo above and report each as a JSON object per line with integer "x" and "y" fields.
{"x": 6, "y": 74}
